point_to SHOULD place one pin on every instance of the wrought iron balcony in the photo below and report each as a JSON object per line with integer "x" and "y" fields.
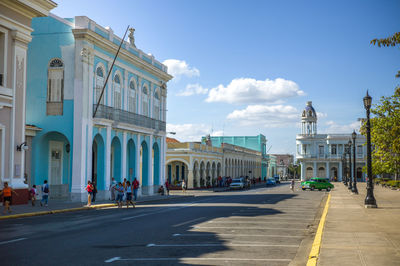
{"x": 123, "y": 116}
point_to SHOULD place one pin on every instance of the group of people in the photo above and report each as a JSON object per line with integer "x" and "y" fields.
{"x": 124, "y": 189}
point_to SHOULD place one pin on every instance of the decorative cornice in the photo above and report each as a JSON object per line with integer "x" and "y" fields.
{"x": 31, "y": 8}
{"x": 102, "y": 42}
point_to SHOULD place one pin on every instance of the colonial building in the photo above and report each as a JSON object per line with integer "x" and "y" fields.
{"x": 122, "y": 137}
{"x": 283, "y": 161}
{"x": 321, "y": 155}
{"x": 257, "y": 143}
{"x": 15, "y": 35}
{"x": 201, "y": 164}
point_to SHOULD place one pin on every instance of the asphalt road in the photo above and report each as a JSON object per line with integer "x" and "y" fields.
{"x": 263, "y": 226}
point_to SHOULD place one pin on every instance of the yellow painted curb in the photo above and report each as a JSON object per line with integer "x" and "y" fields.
{"x": 30, "y": 214}
{"x": 314, "y": 253}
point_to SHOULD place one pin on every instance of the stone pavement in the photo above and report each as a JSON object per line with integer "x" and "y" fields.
{"x": 55, "y": 206}
{"x": 354, "y": 235}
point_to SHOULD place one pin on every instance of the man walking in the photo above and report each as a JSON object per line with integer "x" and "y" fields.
{"x": 135, "y": 184}
{"x": 45, "y": 194}
{"x": 167, "y": 187}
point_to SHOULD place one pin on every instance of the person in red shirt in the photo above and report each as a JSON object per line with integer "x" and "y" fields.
{"x": 89, "y": 188}
{"x": 7, "y": 192}
{"x": 167, "y": 187}
{"x": 135, "y": 185}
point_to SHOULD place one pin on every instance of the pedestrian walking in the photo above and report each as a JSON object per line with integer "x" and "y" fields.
{"x": 292, "y": 185}
{"x": 128, "y": 190}
{"x": 167, "y": 187}
{"x": 183, "y": 186}
{"x": 7, "y": 194}
{"x": 89, "y": 189}
{"x": 33, "y": 193}
{"x": 113, "y": 186}
{"x": 94, "y": 191}
{"x": 120, "y": 194}
{"x": 45, "y": 194}
{"x": 136, "y": 185}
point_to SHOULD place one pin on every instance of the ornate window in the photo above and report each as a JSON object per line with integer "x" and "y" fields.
{"x": 99, "y": 83}
{"x": 145, "y": 101}
{"x": 117, "y": 91}
{"x": 55, "y": 87}
{"x": 132, "y": 97}
{"x": 156, "y": 111}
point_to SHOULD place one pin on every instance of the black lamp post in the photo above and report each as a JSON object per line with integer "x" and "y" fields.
{"x": 370, "y": 201}
{"x": 345, "y": 164}
{"x": 350, "y": 187}
{"x": 354, "y": 190}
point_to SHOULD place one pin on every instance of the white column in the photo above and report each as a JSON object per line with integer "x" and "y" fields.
{"x": 303, "y": 171}
{"x": 315, "y": 169}
{"x": 107, "y": 157}
{"x": 327, "y": 170}
{"x": 340, "y": 171}
{"x": 162, "y": 160}
{"x": 139, "y": 95}
{"x": 124, "y": 136}
{"x": 150, "y": 165}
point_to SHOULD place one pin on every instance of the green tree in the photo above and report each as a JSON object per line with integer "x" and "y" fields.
{"x": 385, "y": 135}
{"x": 389, "y": 41}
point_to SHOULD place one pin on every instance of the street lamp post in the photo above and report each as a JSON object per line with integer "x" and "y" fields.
{"x": 354, "y": 190}
{"x": 370, "y": 201}
{"x": 350, "y": 187}
{"x": 345, "y": 165}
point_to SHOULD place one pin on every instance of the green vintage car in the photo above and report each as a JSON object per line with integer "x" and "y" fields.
{"x": 317, "y": 183}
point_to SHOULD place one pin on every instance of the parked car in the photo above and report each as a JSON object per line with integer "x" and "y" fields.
{"x": 317, "y": 183}
{"x": 271, "y": 181}
{"x": 277, "y": 181}
{"x": 237, "y": 183}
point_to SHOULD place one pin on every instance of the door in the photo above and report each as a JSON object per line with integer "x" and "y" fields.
{"x": 55, "y": 165}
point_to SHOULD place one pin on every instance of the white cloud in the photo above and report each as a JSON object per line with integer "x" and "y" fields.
{"x": 248, "y": 90}
{"x": 191, "y": 132}
{"x": 333, "y": 127}
{"x": 321, "y": 115}
{"x": 267, "y": 116}
{"x": 178, "y": 68}
{"x": 192, "y": 89}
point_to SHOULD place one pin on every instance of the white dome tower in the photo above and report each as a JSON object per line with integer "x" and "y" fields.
{"x": 309, "y": 120}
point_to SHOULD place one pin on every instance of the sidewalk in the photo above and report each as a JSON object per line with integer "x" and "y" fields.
{"x": 354, "y": 235}
{"x": 59, "y": 206}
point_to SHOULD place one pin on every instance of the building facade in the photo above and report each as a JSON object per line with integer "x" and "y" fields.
{"x": 283, "y": 161}
{"x": 201, "y": 164}
{"x": 15, "y": 35}
{"x": 322, "y": 155}
{"x": 87, "y": 135}
{"x": 257, "y": 143}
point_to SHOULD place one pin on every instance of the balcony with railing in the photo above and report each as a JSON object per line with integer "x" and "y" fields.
{"x": 123, "y": 116}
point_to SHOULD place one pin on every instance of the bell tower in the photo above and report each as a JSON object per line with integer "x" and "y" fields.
{"x": 309, "y": 120}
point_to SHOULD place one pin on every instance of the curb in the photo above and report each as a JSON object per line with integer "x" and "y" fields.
{"x": 93, "y": 207}
{"x": 314, "y": 253}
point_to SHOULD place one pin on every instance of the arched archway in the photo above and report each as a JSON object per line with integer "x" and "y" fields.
{"x": 334, "y": 173}
{"x": 321, "y": 172}
{"x": 218, "y": 169}
{"x": 359, "y": 173}
{"x": 309, "y": 172}
{"x": 130, "y": 160}
{"x": 144, "y": 164}
{"x": 116, "y": 159}
{"x": 98, "y": 158}
{"x": 196, "y": 182}
{"x": 156, "y": 164}
{"x": 202, "y": 177}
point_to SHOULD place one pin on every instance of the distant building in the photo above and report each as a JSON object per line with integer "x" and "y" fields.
{"x": 283, "y": 161}
{"x": 257, "y": 143}
{"x": 321, "y": 155}
{"x": 15, "y": 35}
{"x": 71, "y": 59}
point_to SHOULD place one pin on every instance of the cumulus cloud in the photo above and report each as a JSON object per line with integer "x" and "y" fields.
{"x": 192, "y": 89}
{"x": 178, "y": 68}
{"x": 248, "y": 91}
{"x": 267, "y": 116}
{"x": 191, "y": 132}
{"x": 333, "y": 127}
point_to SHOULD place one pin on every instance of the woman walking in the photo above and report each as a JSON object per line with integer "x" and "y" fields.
{"x": 89, "y": 189}
{"x": 128, "y": 189}
{"x": 7, "y": 193}
{"x": 120, "y": 194}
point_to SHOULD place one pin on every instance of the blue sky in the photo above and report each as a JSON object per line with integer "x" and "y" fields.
{"x": 248, "y": 67}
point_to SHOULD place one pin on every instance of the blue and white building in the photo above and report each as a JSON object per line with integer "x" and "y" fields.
{"x": 321, "y": 155}
{"x": 70, "y": 60}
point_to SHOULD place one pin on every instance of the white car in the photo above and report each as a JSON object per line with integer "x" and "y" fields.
{"x": 237, "y": 183}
